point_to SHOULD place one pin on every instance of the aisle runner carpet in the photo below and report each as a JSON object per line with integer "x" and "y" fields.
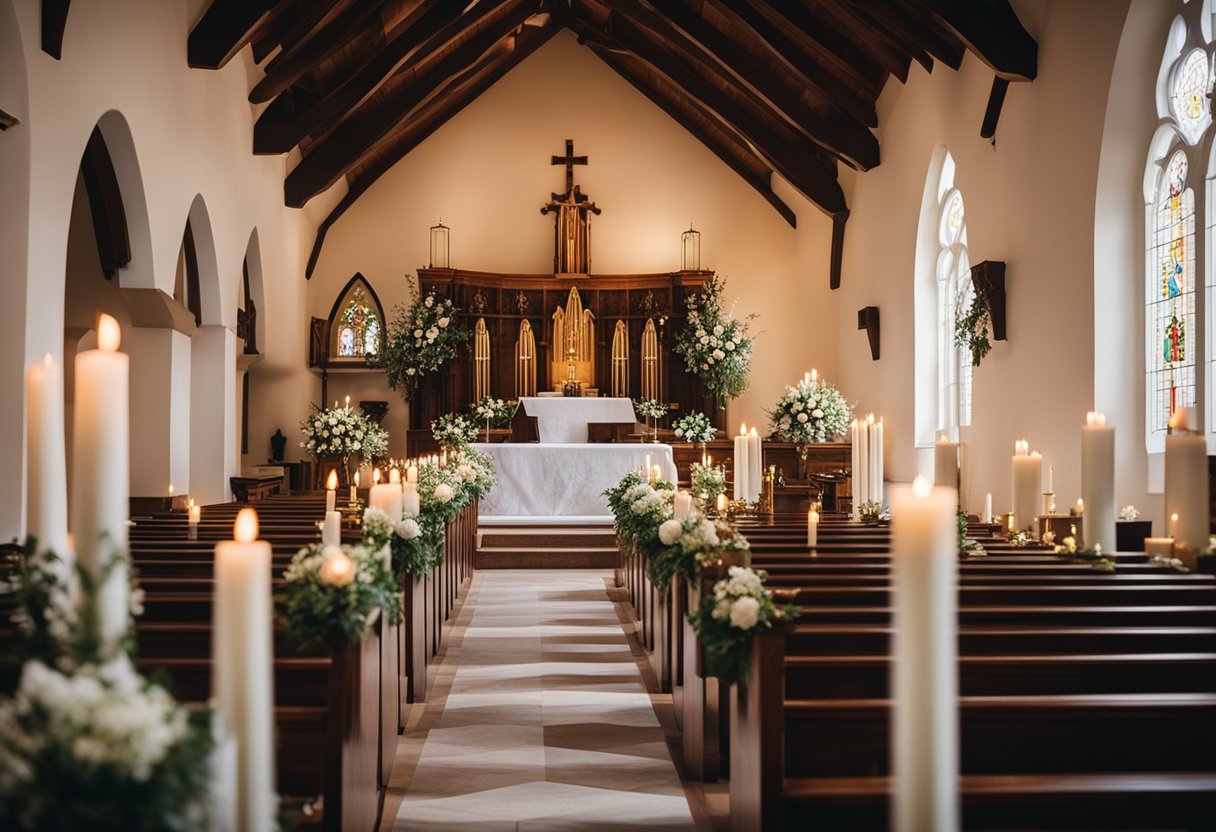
{"x": 547, "y": 725}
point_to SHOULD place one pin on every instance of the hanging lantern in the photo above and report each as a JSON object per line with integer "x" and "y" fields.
{"x": 441, "y": 246}
{"x": 690, "y": 246}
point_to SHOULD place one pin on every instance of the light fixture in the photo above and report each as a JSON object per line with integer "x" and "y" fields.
{"x": 441, "y": 246}
{"x": 690, "y": 247}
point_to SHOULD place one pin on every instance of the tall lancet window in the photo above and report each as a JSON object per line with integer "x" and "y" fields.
{"x": 356, "y": 322}
{"x": 1174, "y": 279}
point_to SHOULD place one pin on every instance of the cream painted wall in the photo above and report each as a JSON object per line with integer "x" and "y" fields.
{"x": 487, "y": 172}
{"x": 1030, "y": 202}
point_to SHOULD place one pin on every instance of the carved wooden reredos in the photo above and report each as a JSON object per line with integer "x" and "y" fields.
{"x": 620, "y": 326}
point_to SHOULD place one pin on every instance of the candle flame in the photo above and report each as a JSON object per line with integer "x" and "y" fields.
{"x": 743, "y": 429}
{"x": 170, "y": 489}
{"x": 245, "y": 529}
{"x": 1095, "y": 418}
{"x": 751, "y": 432}
{"x": 109, "y": 336}
{"x": 47, "y": 361}
{"x": 814, "y": 375}
{"x": 1174, "y": 518}
{"x": 348, "y": 402}
{"x": 331, "y": 482}
{"x": 921, "y": 487}
{"x": 942, "y": 439}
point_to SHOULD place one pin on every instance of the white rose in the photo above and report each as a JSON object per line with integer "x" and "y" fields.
{"x": 408, "y": 529}
{"x": 670, "y": 532}
{"x": 802, "y": 417}
{"x": 704, "y": 339}
{"x": 718, "y": 330}
{"x": 444, "y": 493}
{"x": 679, "y": 431}
{"x": 730, "y": 345}
{"x": 718, "y": 354}
{"x": 430, "y": 301}
{"x": 818, "y": 414}
{"x": 744, "y": 613}
{"x": 708, "y": 533}
{"x": 417, "y": 333}
{"x": 443, "y": 322}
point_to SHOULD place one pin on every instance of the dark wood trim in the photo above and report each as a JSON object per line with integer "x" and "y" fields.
{"x": 838, "y": 222}
{"x": 988, "y": 279}
{"x": 223, "y": 31}
{"x": 333, "y": 156}
{"x": 54, "y": 22}
{"x": 991, "y": 29}
{"x": 105, "y": 206}
{"x": 992, "y": 114}
{"x": 867, "y": 319}
{"x": 194, "y": 301}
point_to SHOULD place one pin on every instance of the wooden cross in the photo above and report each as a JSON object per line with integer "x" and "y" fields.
{"x": 569, "y": 160}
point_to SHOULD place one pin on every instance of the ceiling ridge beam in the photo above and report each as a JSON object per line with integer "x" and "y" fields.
{"x": 426, "y": 124}
{"x": 992, "y": 31}
{"x": 330, "y": 158}
{"x": 223, "y": 31}
{"x": 428, "y": 29}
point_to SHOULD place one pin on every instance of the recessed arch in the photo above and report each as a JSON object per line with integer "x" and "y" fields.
{"x": 199, "y": 223}
{"x": 252, "y": 291}
{"x": 138, "y": 273}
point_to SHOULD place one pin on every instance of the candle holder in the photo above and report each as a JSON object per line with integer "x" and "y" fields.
{"x": 352, "y": 515}
{"x": 765, "y": 505}
{"x": 1049, "y": 503}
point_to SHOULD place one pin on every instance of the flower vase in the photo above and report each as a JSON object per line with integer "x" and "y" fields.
{"x": 804, "y": 451}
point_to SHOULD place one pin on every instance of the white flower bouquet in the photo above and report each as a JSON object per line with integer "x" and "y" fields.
{"x": 689, "y": 544}
{"x": 694, "y": 427}
{"x": 421, "y": 339}
{"x": 728, "y": 619}
{"x": 810, "y": 411}
{"x": 453, "y": 431}
{"x": 707, "y": 482}
{"x": 343, "y": 432}
{"x": 715, "y": 345}
{"x": 492, "y": 413}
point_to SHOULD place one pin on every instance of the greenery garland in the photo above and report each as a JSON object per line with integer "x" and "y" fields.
{"x": 971, "y": 325}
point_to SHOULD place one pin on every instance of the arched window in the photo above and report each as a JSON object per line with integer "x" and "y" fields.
{"x": 356, "y": 324}
{"x": 1173, "y": 262}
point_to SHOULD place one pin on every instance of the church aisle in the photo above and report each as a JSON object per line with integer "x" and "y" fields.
{"x": 539, "y": 719}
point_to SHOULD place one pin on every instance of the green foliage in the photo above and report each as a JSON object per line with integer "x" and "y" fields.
{"x": 730, "y": 617}
{"x": 421, "y": 339}
{"x": 714, "y": 345}
{"x": 707, "y": 482}
{"x": 694, "y": 427}
{"x": 971, "y": 325}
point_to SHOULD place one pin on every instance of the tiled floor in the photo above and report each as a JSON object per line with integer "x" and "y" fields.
{"x": 538, "y": 719}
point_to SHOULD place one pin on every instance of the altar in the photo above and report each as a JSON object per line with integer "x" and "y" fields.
{"x": 562, "y": 480}
{"x": 565, "y": 420}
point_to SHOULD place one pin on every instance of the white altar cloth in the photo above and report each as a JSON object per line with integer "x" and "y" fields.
{"x": 564, "y": 419}
{"x": 562, "y": 480}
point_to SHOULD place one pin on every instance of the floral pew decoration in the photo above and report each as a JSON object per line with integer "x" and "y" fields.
{"x": 730, "y": 616}
{"x": 639, "y": 506}
{"x": 707, "y": 482}
{"x": 86, "y": 742}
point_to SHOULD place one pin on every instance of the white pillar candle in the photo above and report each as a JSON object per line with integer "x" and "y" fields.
{"x": 411, "y": 474}
{"x": 681, "y": 505}
{"x": 46, "y": 491}
{"x": 331, "y": 490}
{"x": 656, "y": 473}
{"x": 988, "y": 507}
{"x": 1186, "y": 483}
{"x": 195, "y": 514}
{"x": 243, "y": 656}
{"x": 876, "y": 466}
{"x": 924, "y": 739}
{"x": 394, "y": 475}
{"x": 1027, "y": 484}
{"x": 741, "y": 465}
{"x": 812, "y": 529}
{"x": 945, "y": 463}
{"x": 721, "y": 503}
{"x": 410, "y": 502}
{"x": 755, "y": 465}
{"x": 855, "y": 457}
{"x": 100, "y": 467}
{"x": 331, "y": 531}
{"x": 387, "y": 497}
{"x": 863, "y": 462}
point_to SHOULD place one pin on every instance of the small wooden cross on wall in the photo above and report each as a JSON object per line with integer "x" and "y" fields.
{"x": 569, "y": 160}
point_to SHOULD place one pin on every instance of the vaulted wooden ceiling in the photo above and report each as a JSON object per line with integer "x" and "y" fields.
{"x": 786, "y": 86}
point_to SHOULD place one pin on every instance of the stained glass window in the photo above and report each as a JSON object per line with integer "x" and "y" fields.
{"x": 1189, "y": 96}
{"x": 954, "y": 293}
{"x": 1171, "y": 296}
{"x": 357, "y": 328}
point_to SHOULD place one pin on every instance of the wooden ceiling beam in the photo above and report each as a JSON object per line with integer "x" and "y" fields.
{"x": 54, "y": 21}
{"x": 454, "y": 98}
{"x": 991, "y": 30}
{"x": 269, "y": 34}
{"x": 721, "y": 142}
{"x": 287, "y": 67}
{"x": 877, "y": 21}
{"x": 223, "y": 31}
{"x": 862, "y": 35}
{"x": 341, "y": 148}
{"x": 429, "y": 28}
{"x": 836, "y": 129}
{"x": 918, "y": 26}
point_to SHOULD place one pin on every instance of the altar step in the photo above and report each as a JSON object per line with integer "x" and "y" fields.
{"x": 590, "y": 545}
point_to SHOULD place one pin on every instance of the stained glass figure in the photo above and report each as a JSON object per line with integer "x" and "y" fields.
{"x": 359, "y": 328}
{"x": 1189, "y": 96}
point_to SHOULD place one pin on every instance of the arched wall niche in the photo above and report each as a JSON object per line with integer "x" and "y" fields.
{"x": 358, "y": 283}
{"x": 252, "y": 276}
{"x": 120, "y": 147}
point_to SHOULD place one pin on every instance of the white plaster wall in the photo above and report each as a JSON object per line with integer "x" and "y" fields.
{"x": 487, "y": 172}
{"x": 191, "y": 135}
{"x": 1030, "y": 202}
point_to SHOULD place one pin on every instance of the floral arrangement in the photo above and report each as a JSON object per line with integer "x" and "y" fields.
{"x": 85, "y": 741}
{"x": 453, "y": 430}
{"x": 689, "y": 544}
{"x": 650, "y": 408}
{"x": 420, "y": 341}
{"x": 707, "y": 481}
{"x": 971, "y": 324}
{"x": 492, "y": 412}
{"x": 331, "y": 592}
{"x": 639, "y": 508}
{"x": 1129, "y": 513}
{"x": 728, "y": 619}
{"x": 694, "y": 427}
{"x": 1069, "y": 550}
{"x": 410, "y": 552}
{"x": 343, "y": 432}
{"x": 810, "y": 411}
{"x": 873, "y": 512}
{"x": 714, "y": 344}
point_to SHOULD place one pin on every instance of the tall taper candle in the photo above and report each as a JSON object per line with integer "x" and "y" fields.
{"x": 47, "y": 492}
{"x": 876, "y": 453}
{"x": 925, "y": 732}
{"x": 1186, "y": 485}
{"x": 410, "y": 502}
{"x": 331, "y": 490}
{"x": 855, "y": 452}
{"x": 101, "y": 474}
{"x": 740, "y": 464}
{"x": 945, "y": 463}
{"x": 812, "y": 529}
{"x": 863, "y": 461}
{"x": 1098, "y": 481}
{"x": 331, "y": 530}
{"x": 988, "y": 507}
{"x": 243, "y": 655}
{"x": 755, "y": 461}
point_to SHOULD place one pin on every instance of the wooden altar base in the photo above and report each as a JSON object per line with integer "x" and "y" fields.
{"x": 589, "y": 544}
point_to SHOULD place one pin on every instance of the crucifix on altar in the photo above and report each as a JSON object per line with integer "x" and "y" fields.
{"x": 572, "y": 224}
